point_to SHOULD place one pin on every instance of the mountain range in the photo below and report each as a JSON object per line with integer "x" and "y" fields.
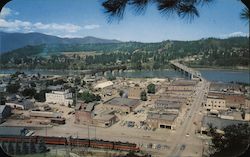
{"x": 11, "y": 41}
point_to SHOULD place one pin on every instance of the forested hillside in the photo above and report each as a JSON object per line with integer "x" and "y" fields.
{"x": 205, "y": 52}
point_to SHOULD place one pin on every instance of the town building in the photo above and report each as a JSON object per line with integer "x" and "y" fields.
{"x": 103, "y": 85}
{"x": 21, "y": 104}
{"x": 181, "y": 85}
{"x": 125, "y": 105}
{"x": 14, "y": 131}
{"x": 215, "y": 103}
{"x": 223, "y": 101}
{"x": 104, "y": 119}
{"x": 44, "y": 114}
{"x": 134, "y": 92}
{"x": 84, "y": 113}
{"x": 161, "y": 120}
{"x": 168, "y": 104}
{"x": 5, "y": 112}
{"x": 235, "y": 100}
{"x": 219, "y": 123}
{"x": 59, "y": 97}
{"x": 87, "y": 115}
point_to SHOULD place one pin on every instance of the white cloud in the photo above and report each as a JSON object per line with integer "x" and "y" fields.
{"x": 26, "y": 26}
{"x": 93, "y": 26}
{"x": 7, "y": 12}
{"x": 234, "y": 34}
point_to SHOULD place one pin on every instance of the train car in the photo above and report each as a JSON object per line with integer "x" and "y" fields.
{"x": 101, "y": 144}
{"x": 27, "y": 139}
{"x": 54, "y": 140}
{"x": 125, "y": 146}
{"x": 79, "y": 142}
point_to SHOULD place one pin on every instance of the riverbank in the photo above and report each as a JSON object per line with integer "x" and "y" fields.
{"x": 221, "y": 75}
{"x": 238, "y": 68}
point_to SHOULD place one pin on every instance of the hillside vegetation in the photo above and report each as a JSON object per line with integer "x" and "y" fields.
{"x": 229, "y": 52}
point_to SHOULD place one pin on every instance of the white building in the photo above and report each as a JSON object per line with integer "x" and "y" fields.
{"x": 103, "y": 85}
{"x": 59, "y": 97}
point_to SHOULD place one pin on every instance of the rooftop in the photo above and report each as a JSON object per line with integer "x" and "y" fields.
{"x": 105, "y": 117}
{"x": 183, "y": 82}
{"x": 122, "y": 101}
{"x": 104, "y": 84}
{"x": 13, "y": 131}
{"x": 170, "y": 104}
{"x": 163, "y": 116}
{"x": 219, "y": 123}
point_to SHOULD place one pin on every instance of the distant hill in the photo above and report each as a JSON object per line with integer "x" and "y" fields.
{"x": 12, "y": 41}
{"x": 210, "y": 52}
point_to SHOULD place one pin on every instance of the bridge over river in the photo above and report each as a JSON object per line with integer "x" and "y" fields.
{"x": 191, "y": 73}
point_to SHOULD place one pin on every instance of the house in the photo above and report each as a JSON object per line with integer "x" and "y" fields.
{"x": 5, "y": 112}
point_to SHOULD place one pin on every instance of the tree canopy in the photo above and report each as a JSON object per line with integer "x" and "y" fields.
{"x": 233, "y": 142}
{"x": 151, "y": 88}
{"x": 185, "y": 9}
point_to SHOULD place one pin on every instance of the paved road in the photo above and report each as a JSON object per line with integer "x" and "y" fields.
{"x": 187, "y": 128}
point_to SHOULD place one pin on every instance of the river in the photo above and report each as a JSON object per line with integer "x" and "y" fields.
{"x": 211, "y": 75}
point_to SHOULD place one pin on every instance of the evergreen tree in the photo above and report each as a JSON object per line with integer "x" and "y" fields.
{"x": 143, "y": 96}
{"x": 151, "y": 88}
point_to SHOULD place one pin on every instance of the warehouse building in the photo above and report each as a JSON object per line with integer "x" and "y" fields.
{"x": 14, "y": 131}
{"x": 168, "y": 104}
{"x": 124, "y": 105}
{"x": 219, "y": 123}
{"x": 161, "y": 120}
{"x": 84, "y": 113}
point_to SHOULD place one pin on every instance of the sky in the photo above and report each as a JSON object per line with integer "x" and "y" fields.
{"x": 80, "y": 18}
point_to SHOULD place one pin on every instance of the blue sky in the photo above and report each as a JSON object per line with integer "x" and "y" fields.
{"x": 80, "y": 18}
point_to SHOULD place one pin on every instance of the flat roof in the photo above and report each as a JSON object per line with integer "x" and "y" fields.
{"x": 13, "y": 131}
{"x": 104, "y": 117}
{"x": 104, "y": 84}
{"x": 122, "y": 101}
{"x": 170, "y": 104}
{"x": 168, "y": 117}
{"x": 182, "y": 82}
{"x": 220, "y": 123}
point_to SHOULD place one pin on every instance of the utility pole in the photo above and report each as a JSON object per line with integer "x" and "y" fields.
{"x": 95, "y": 132}
{"x": 88, "y": 131}
{"x": 46, "y": 131}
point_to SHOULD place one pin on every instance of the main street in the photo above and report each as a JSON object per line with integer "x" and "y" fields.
{"x": 186, "y": 132}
